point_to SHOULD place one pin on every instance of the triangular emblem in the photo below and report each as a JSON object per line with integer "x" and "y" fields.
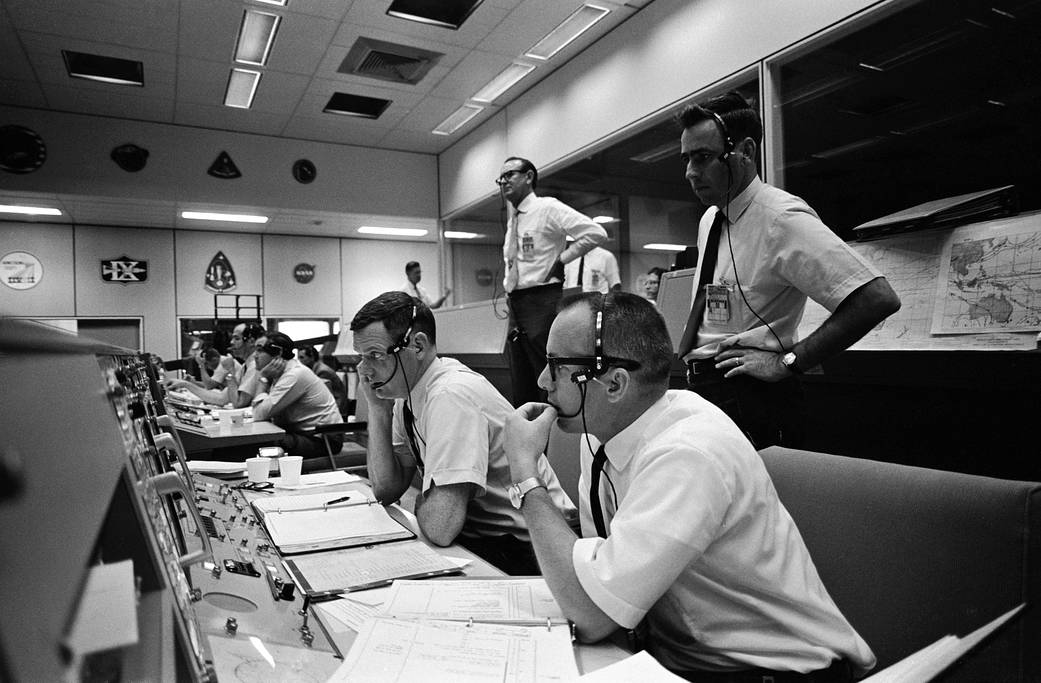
{"x": 224, "y": 167}
{"x": 220, "y": 277}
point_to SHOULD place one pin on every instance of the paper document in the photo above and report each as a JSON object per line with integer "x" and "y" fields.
{"x": 324, "y": 521}
{"x": 354, "y": 569}
{"x": 507, "y": 601}
{"x": 106, "y": 616}
{"x": 317, "y": 479}
{"x": 394, "y": 650}
{"x": 214, "y": 466}
{"x": 930, "y": 661}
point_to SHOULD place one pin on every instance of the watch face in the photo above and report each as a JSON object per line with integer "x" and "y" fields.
{"x": 515, "y": 497}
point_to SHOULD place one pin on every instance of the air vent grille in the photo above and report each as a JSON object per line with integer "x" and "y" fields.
{"x": 388, "y": 61}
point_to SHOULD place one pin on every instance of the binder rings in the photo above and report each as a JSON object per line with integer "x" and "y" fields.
{"x": 326, "y": 575}
{"x": 309, "y": 523}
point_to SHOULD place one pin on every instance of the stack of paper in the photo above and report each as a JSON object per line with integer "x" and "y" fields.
{"x": 463, "y": 630}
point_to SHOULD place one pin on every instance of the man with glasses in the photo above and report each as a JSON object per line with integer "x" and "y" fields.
{"x": 762, "y": 253}
{"x": 682, "y": 531}
{"x": 534, "y": 252}
{"x": 437, "y": 417}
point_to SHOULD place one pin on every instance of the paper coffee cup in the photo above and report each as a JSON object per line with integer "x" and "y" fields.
{"x": 289, "y": 466}
{"x": 258, "y": 469}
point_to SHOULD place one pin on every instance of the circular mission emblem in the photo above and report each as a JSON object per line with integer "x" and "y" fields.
{"x": 303, "y": 273}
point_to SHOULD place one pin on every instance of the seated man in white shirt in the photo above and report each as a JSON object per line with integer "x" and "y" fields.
{"x": 436, "y": 416}
{"x": 682, "y": 530}
{"x": 216, "y": 371}
{"x": 293, "y": 397}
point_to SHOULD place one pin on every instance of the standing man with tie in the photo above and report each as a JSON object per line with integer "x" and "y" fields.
{"x": 437, "y": 417}
{"x": 762, "y": 252}
{"x": 682, "y": 528}
{"x": 534, "y": 252}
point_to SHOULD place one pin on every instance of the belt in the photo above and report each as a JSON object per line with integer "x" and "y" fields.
{"x": 840, "y": 671}
{"x": 537, "y": 289}
{"x": 702, "y": 369}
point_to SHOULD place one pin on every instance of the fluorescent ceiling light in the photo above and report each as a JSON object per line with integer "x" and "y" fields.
{"x": 651, "y": 156}
{"x": 227, "y": 217}
{"x": 458, "y": 235}
{"x": 578, "y": 23}
{"x": 242, "y": 87}
{"x": 400, "y": 232}
{"x": 280, "y": 3}
{"x": 665, "y": 247}
{"x": 29, "y": 210}
{"x": 503, "y": 82}
{"x": 256, "y": 36}
{"x": 457, "y": 119}
{"x": 604, "y": 219}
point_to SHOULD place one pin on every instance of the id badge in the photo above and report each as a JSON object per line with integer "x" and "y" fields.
{"x": 717, "y": 303}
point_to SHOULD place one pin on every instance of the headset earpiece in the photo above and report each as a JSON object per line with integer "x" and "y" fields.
{"x": 728, "y": 142}
{"x": 402, "y": 343}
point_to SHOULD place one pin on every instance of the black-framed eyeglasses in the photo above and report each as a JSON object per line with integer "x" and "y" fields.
{"x": 258, "y": 486}
{"x": 507, "y": 176}
{"x": 554, "y": 363}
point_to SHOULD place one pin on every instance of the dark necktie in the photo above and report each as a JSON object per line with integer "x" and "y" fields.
{"x": 581, "y": 270}
{"x": 410, "y": 432}
{"x": 594, "y": 492}
{"x": 708, "y": 268}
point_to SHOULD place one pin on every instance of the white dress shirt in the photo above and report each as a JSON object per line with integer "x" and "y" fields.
{"x": 700, "y": 544}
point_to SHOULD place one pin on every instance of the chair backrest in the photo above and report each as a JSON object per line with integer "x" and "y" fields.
{"x": 912, "y": 554}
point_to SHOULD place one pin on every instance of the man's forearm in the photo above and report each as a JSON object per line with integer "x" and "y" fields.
{"x": 389, "y": 478}
{"x": 858, "y": 313}
{"x": 553, "y": 541}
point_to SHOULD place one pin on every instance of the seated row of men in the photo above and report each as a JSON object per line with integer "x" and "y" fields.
{"x": 687, "y": 545}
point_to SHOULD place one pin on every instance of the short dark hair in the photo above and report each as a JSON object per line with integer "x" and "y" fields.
{"x": 308, "y": 351}
{"x": 253, "y": 331}
{"x": 633, "y": 329}
{"x": 525, "y": 167}
{"x": 394, "y": 310}
{"x": 410, "y": 265}
{"x": 739, "y": 116}
{"x": 282, "y": 341}
{"x": 656, "y": 271}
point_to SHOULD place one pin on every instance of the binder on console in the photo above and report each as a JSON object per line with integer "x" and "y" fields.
{"x": 949, "y": 212}
{"x": 329, "y": 574}
{"x": 308, "y": 523}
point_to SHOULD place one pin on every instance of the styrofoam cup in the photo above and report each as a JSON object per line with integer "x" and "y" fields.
{"x": 289, "y": 466}
{"x": 258, "y": 469}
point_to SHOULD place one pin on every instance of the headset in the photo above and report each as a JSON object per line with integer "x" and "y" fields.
{"x": 728, "y": 142}
{"x": 587, "y": 373}
{"x": 728, "y": 150}
{"x": 396, "y": 348}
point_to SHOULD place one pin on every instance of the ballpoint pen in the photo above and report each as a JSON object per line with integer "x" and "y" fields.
{"x": 335, "y": 501}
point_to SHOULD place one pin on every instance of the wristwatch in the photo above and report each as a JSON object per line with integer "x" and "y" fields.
{"x": 519, "y": 490}
{"x": 789, "y": 361}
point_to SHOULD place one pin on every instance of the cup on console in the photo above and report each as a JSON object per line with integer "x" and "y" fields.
{"x": 258, "y": 469}
{"x": 289, "y": 466}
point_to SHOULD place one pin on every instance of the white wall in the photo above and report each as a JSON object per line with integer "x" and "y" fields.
{"x": 371, "y": 267}
{"x": 357, "y": 180}
{"x": 649, "y": 64}
{"x": 55, "y": 292}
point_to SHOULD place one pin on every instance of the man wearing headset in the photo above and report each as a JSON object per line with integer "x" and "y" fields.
{"x": 534, "y": 253}
{"x": 437, "y": 417}
{"x": 293, "y": 397}
{"x": 762, "y": 252}
{"x": 682, "y": 528}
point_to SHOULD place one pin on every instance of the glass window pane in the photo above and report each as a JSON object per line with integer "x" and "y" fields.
{"x": 935, "y": 100}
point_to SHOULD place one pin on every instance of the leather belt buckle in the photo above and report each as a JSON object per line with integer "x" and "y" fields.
{"x": 699, "y": 368}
